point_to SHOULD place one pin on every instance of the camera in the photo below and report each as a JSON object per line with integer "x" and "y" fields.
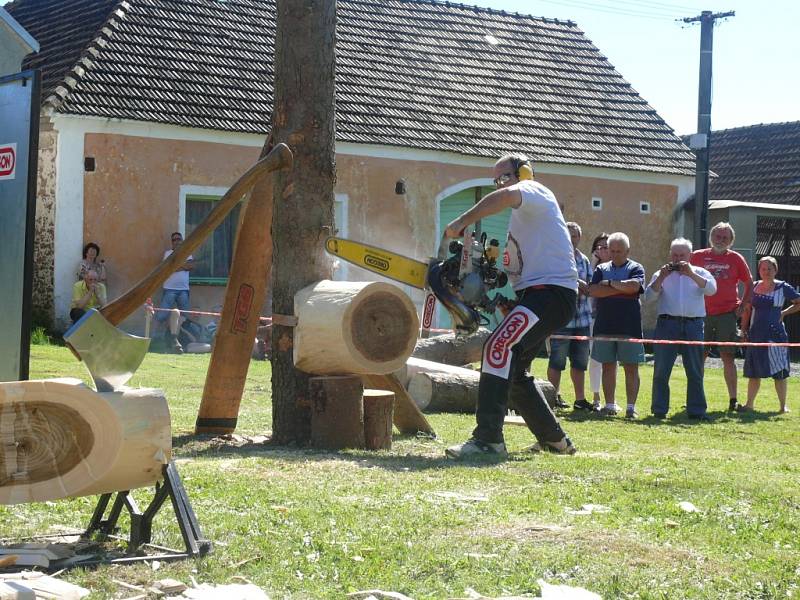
{"x": 674, "y": 266}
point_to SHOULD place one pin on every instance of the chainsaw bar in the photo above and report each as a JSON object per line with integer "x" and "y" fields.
{"x": 377, "y": 260}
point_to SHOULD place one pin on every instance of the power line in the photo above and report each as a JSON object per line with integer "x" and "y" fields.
{"x": 611, "y": 10}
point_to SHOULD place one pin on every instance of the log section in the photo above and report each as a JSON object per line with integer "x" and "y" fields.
{"x": 353, "y": 327}
{"x": 454, "y": 390}
{"x": 407, "y": 417}
{"x": 378, "y": 410}
{"x": 60, "y": 439}
{"x": 451, "y": 349}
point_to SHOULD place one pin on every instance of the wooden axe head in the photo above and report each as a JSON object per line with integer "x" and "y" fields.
{"x": 112, "y": 356}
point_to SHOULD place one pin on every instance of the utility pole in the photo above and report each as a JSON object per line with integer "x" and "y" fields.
{"x": 703, "y": 143}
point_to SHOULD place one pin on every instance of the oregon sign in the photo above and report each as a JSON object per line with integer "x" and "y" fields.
{"x": 8, "y": 161}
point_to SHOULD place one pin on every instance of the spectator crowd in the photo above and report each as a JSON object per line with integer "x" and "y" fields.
{"x": 705, "y": 295}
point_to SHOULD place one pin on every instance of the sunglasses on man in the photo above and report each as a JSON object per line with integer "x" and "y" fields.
{"x": 503, "y": 179}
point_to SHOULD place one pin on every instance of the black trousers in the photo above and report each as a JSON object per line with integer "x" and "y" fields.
{"x": 506, "y": 356}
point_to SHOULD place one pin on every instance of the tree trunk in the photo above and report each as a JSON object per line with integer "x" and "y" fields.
{"x": 60, "y": 439}
{"x": 347, "y": 327}
{"x": 337, "y": 412}
{"x": 244, "y": 297}
{"x": 451, "y": 391}
{"x": 304, "y": 118}
{"x": 378, "y": 411}
{"x": 451, "y": 349}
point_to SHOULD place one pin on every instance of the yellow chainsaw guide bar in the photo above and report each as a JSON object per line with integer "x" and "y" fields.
{"x": 377, "y": 260}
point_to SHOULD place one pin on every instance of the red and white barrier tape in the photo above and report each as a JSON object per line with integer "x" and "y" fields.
{"x": 601, "y": 338}
{"x": 580, "y": 338}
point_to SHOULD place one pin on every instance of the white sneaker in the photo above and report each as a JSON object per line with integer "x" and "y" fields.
{"x": 474, "y": 448}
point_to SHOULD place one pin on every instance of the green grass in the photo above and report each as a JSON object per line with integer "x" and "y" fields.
{"x": 311, "y": 524}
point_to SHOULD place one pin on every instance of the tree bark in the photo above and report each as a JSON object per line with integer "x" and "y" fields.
{"x": 378, "y": 411}
{"x": 353, "y": 327}
{"x": 337, "y": 412}
{"x": 451, "y": 349}
{"x": 60, "y": 439}
{"x": 304, "y": 118}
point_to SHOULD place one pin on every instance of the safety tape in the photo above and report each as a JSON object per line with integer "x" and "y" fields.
{"x": 579, "y": 338}
{"x": 600, "y": 338}
{"x": 261, "y": 319}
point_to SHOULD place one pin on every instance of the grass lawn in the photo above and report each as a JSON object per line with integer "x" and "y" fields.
{"x": 310, "y": 524}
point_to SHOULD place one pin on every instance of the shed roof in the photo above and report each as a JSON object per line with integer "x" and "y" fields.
{"x": 420, "y": 74}
{"x": 759, "y": 163}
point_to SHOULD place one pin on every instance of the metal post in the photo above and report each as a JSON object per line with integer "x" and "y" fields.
{"x": 706, "y": 20}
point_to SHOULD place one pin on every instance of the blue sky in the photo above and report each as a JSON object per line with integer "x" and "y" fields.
{"x": 756, "y": 53}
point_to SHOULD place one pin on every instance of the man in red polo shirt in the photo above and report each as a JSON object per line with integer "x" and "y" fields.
{"x": 724, "y": 307}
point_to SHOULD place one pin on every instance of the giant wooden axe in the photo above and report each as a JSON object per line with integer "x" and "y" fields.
{"x": 112, "y": 356}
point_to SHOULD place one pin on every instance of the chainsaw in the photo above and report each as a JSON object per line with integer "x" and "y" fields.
{"x": 460, "y": 277}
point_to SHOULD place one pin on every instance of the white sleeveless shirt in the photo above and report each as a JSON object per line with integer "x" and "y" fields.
{"x": 539, "y": 250}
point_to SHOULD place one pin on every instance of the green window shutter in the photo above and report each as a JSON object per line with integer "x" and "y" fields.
{"x": 212, "y": 259}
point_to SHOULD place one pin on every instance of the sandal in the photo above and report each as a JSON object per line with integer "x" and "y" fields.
{"x": 742, "y": 408}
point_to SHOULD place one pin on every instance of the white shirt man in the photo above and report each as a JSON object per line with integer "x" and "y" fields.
{"x": 680, "y": 290}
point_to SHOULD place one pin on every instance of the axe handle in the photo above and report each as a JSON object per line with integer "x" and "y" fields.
{"x": 279, "y": 158}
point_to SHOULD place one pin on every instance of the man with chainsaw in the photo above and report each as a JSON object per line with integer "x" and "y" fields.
{"x": 540, "y": 263}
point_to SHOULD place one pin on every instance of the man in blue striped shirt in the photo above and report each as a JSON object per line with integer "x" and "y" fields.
{"x": 577, "y": 351}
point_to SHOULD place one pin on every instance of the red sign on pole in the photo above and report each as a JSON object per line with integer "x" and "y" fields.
{"x": 8, "y": 161}
{"x": 427, "y": 314}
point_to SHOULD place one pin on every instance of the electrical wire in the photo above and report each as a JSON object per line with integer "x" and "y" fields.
{"x": 613, "y": 10}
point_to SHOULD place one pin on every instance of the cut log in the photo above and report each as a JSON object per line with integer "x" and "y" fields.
{"x": 451, "y": 391}
{"x": 378, "y": 411}
{"x": 337, "y": 412}
{"x": 418, "y": 365}
{"x": 436, "y": 387}
{"x": 450, "y": 349}
{"x": 348, "y": 327}
{"x": 60, "y": 439}
{"x": 407, "y": 416}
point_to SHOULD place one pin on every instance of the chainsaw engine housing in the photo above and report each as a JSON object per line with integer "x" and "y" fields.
{"x": 462, "y": 282}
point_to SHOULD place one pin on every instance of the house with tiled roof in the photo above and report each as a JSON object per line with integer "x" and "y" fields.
{"x": 154, "y": 107}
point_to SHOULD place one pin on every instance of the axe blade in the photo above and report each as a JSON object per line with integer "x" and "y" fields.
{"x": 111, "y": 356}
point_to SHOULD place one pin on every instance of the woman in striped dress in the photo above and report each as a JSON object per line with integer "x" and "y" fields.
{"x": 763, "y": 322}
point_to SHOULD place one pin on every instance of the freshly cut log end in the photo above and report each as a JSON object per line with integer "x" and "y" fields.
{"x": 59, "y": 439}
{"x": 353, "y": 327}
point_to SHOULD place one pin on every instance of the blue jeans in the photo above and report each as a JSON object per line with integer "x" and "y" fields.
{"x": 665, "y": 355}
{"x": 172, "y": 299}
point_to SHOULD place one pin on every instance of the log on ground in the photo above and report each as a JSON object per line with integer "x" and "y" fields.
{"x": 444, "y": 388}
{"x": 353, "y": 327}
{"x": 451, "y": 349}
{"x": 454, "y": 390}
{"x": 60, "y": 439}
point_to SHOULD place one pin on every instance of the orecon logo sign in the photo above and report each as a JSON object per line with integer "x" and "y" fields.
{"x": 497, "y": 351}
{"x": 427, "y": 315}
{"x": 8, "y": 161}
